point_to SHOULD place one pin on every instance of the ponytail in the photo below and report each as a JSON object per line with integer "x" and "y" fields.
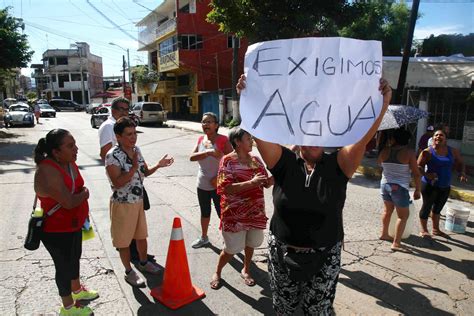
{"x": 45, "y": 146}
{"x": 41, "y": 151}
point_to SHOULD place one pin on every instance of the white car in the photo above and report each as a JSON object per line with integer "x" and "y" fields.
{"x": 19, "y": 114}
{"x": 149, "y": 112}
{"x": 91, "y": 106}
{"x": 47, "y": 110}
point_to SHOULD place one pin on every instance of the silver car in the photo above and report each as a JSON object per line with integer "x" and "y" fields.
{"x": 47, "y": 110}
{"x": 19, "y": 114}
{"x": 149, "y": 112}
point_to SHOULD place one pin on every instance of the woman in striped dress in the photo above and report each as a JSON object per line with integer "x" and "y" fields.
{"x": 240, "y": 182}
{"x": 397, "y": 161}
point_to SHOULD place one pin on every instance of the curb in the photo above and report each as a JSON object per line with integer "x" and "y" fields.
{"x": 456, "y": 193}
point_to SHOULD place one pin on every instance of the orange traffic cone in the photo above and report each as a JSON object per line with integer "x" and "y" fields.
{"x": 176, "y": 289}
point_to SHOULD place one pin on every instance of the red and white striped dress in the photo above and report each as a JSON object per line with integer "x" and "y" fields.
{"x": 244, "y": 210}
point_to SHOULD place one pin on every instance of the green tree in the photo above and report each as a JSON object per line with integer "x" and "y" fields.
{"x": 448, "y": 44}
{"x": 260, "y": 20}
{"x": 14, "y": 48}
{"x": 383, "y": 21}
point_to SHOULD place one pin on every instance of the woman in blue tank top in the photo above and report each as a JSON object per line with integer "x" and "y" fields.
{"x": 439, "y": 160}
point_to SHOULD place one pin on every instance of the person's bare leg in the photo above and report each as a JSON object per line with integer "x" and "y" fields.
{"x": 125, "y": 258}
{"x": 436, "y": 230}
{"x": 75, "y": 285}
{"x": 142, "y": 248}
{"x": 248, "y": 259}
{"x": 402, "y": 213}
{"x": 387, "y": 214}
{"x": 67, "y": 300}
{"x": 224, "y": 258}
{"x": 205, "y": 225}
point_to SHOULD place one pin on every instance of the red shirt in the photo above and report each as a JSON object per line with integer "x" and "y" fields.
{"x": 65, "y": 220}
{"x": 244, "y": 210}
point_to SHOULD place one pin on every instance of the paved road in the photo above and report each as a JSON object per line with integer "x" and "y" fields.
{"x": 436, "y": 279}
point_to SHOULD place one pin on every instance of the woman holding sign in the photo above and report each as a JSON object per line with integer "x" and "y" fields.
{"x": 306, "y": 229}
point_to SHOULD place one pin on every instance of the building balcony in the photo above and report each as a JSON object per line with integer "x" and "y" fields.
{"x": 151, "y": 33}
{"x": 168, "y": 62}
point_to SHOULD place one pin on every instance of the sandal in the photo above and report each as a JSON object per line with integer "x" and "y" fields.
{"x": 425, "y": 235}
{"x": 248, "y": 280}
{"x": 216, "y": 282}
{"x": 440, "y": 234}
{"x": 400, "y": 249}
{"x": 388, "y": 238}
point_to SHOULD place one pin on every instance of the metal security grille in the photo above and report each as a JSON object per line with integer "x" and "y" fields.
{"x": 450, "y": 106}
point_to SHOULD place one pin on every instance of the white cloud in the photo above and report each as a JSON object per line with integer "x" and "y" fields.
{"x": 424, "y": 32}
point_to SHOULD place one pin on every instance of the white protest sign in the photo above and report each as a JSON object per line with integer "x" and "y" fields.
{"x": 312, "y": 91}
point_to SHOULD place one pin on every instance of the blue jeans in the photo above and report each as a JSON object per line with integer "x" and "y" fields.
{"x": 396, "y": 194}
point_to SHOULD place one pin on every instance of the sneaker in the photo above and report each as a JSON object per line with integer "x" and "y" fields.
{"x": 85, "y": 295}
{"x": 76, "y": 310}
{"x": 134, "y": 279}
{"x": 149, "y": 268}
{"x": 200, "y": 242}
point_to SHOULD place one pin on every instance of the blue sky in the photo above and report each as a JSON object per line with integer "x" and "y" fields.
{"x": 52, "y": 24}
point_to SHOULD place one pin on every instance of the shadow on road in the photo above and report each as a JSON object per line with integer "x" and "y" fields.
{"x": 390, "y": 296}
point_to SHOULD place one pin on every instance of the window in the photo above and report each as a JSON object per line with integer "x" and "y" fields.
{"x": 152, "y": 107}
{"x": 183, "y": 80}
{"x": 75, "y": 77}
{"x": 184, "y": 9}
{"x": 229, "y": 42}
{"x": 190, "y": 41}
{"x": 62, "y": 79}
{"x": 167, "y": 46}
{"x": 61, "y": 60}
{"x": 51, "y": 61}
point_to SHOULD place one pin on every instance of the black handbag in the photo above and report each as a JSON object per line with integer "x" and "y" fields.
{"x": 302, "y": 266}
{"x": 35, "y": 224}
{"x": 146, "y": 201}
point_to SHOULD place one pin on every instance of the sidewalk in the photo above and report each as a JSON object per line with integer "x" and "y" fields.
{"x": 369, "y": 168}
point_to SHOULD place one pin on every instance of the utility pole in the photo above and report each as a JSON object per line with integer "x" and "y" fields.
{"x": 83, "y": 94}
{"x": 123, "y": 66}
{"x": 235, "y": 66}
{"x": 406, "y": 53}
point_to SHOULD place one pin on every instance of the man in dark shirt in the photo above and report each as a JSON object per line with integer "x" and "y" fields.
{"x": 306, "y": 230}
{"x": 423, "y": 142}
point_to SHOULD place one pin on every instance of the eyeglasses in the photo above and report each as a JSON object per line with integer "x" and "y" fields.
{"x": 122, "y": 109}
{"x": 207, "y": 122}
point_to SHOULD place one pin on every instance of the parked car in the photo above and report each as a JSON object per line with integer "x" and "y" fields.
{"x": 47, "y": 110}
{"x": 101, "y": 114}
{"x": 149, "y": 112}
{"x": 63, "y": 105}
{"x": 19, "y": 114}
{"x": 91, "y": 106}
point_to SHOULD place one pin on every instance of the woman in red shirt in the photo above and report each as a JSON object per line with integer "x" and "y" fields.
{"x": 241, "y": 179}
{"x": 55, "y": 157}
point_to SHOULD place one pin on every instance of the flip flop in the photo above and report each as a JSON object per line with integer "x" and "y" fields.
{"x": 440, "y": 234}
{"x": 401, "y": 249}
{"x": 425, "y": 235}
{"x": 248, "y": 280}
{"x": 216, "y": 282}
{"x": 386, "y": 238}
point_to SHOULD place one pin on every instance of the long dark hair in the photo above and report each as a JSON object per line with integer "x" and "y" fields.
{"x": 45, "y": 146}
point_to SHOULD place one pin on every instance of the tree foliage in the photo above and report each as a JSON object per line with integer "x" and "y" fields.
{"x": 143, "y": 75}
{"x": 383, "y": 21}
{"x": 446, "y": 45}
{"x": 14, "y": 48}
{"x": 260, "y": 20}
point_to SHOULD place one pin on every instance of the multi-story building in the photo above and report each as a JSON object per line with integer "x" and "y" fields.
{"x": 193, "y": 59}
{"x": 41, "y": 80}
{"x": 25, "y": 84}
{"x": 63, "y": 69}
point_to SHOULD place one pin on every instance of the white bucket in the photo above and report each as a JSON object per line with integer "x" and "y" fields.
{"x": 456, "y": 218}
{"x": 409, "y": 225}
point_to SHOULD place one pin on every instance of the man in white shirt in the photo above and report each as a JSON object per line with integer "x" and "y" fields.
{"x": 120, "y": 108}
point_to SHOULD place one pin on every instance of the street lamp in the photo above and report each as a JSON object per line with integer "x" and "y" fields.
{"x": 128, "y": 61}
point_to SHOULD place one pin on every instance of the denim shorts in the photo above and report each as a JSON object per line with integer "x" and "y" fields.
{"x": 396, "y": 194}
